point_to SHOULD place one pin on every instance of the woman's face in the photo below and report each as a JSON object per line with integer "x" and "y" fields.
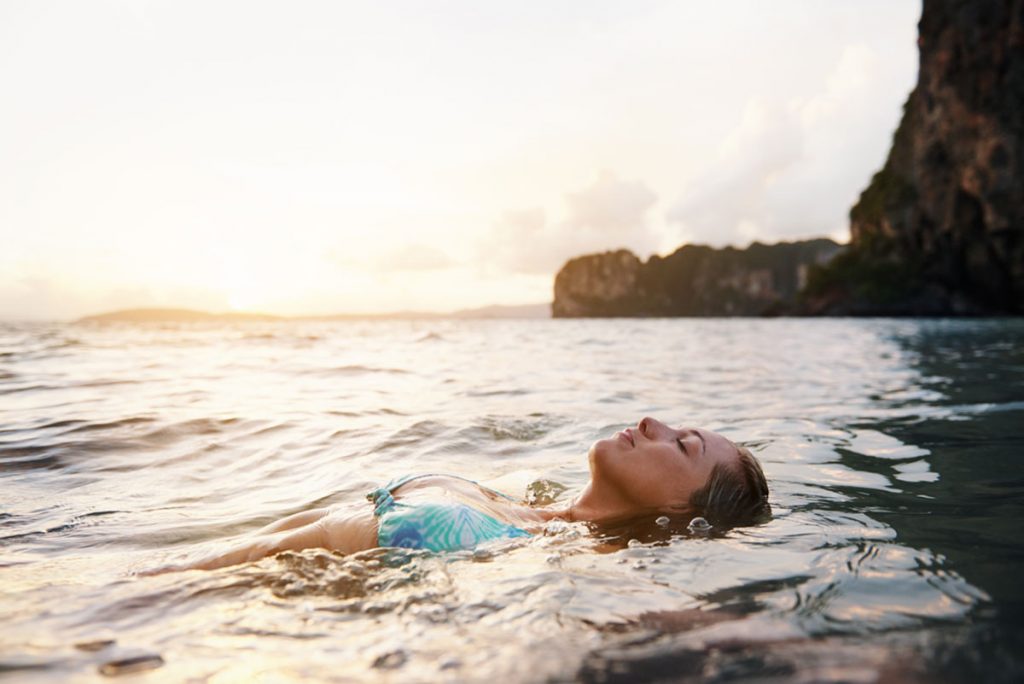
{"x": 653, "y": 467}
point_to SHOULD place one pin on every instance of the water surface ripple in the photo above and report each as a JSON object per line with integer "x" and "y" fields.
{"x": 892, "y": 449}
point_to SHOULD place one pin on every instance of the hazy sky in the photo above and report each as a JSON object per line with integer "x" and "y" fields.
{"x": 318, "y": 157}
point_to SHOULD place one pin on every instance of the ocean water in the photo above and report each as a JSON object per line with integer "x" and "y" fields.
{"x": 893, "y": 450}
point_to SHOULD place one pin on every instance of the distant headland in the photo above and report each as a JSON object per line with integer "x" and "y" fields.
{"x": 695, "y": 280}
{"x": 938, "y": 231}
{"x": 170, "y": 315}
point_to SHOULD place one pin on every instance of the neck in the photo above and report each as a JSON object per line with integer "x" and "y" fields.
{"x": 600, "y": 505}
{"x": 589, "y": 506}
{"x": 525, "y": 512}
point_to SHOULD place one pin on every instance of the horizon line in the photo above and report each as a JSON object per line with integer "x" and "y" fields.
{"x": 158, "y": 314}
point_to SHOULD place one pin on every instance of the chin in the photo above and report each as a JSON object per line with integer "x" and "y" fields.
{"x": 600, "y": 451}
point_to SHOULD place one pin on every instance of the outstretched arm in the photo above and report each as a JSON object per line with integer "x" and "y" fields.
{"x": 260, "y": 546}
{"x": 295, "y": 520}
{"x": 345, "y": 530}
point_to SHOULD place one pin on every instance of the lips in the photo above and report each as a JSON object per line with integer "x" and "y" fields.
{"x": 628, "y": 434}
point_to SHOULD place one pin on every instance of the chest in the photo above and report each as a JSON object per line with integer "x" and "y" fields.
{"x": 441, "y": 489}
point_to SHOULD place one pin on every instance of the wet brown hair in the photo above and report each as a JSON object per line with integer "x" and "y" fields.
{"x": 735, "y": 494}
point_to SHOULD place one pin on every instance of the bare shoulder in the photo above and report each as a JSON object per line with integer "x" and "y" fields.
{"x": 349, "y": 528}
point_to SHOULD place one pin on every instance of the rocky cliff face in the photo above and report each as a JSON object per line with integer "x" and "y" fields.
{"x": 695, "y": 280}
{"x": 940, "y": 229}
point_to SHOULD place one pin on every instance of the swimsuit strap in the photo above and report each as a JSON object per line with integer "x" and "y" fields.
{"x": 383, "y": 501}
{"x": 381, "y": 497}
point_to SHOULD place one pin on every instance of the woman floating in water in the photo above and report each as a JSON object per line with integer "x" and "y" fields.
{"x": 649, "y": 470}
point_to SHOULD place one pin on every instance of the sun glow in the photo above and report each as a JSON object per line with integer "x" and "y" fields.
{"x": 241, "y": 292}
{"x": 315, "y": 163}
{"x": 240, "y": 300}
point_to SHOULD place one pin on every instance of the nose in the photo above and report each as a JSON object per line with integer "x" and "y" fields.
{"x": 652, "y": 428}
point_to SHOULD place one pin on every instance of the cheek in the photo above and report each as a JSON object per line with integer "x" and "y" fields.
{"x": 658, "y": 480}
{"x": 646, "y": 477}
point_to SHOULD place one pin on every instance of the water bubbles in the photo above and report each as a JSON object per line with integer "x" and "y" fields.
{"x": 662, "y": 521}
{"x": 561, "y": 529}
{"x": 556, "y": 527}
{"x": 699, "y": 526}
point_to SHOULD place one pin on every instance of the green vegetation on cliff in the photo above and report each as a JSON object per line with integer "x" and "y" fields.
{"x": 862, "y": 282}
{"x": 939, "y": 230}
{"x": 889, "y": 188}
{"x": 695, "y": 280}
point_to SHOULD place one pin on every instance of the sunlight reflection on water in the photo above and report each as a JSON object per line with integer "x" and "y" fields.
{"x": 124, "y": 445}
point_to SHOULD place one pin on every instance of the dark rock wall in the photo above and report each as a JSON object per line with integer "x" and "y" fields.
{"x": 695, "y": 280}
{"x": 940, "y": 229}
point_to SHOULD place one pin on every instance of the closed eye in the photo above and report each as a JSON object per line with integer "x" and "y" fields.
{"x": 703, "y": 444}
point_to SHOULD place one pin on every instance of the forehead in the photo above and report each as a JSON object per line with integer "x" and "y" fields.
{"x": 719, "y": 447}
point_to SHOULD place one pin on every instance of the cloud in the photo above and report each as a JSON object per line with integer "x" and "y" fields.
{"x": 519, "y": 242}
{"x": 729, "y": 200}
{"x": 792, "y": 169}
{"x": 607, "y": 214}
{"x": 610, "y": 208}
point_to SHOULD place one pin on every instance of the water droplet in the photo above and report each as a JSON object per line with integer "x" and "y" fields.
{"x": 662, "y": 521}
{"x": 555, "y": 527}
{"x": 699, "y": 524}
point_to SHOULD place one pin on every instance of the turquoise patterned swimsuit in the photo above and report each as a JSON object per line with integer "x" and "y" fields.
{"x": 434, "y": 526}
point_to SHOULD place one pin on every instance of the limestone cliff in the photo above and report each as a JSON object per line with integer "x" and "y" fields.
{"x": 695, "y": 280}
{"x": 940, "y": 229}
